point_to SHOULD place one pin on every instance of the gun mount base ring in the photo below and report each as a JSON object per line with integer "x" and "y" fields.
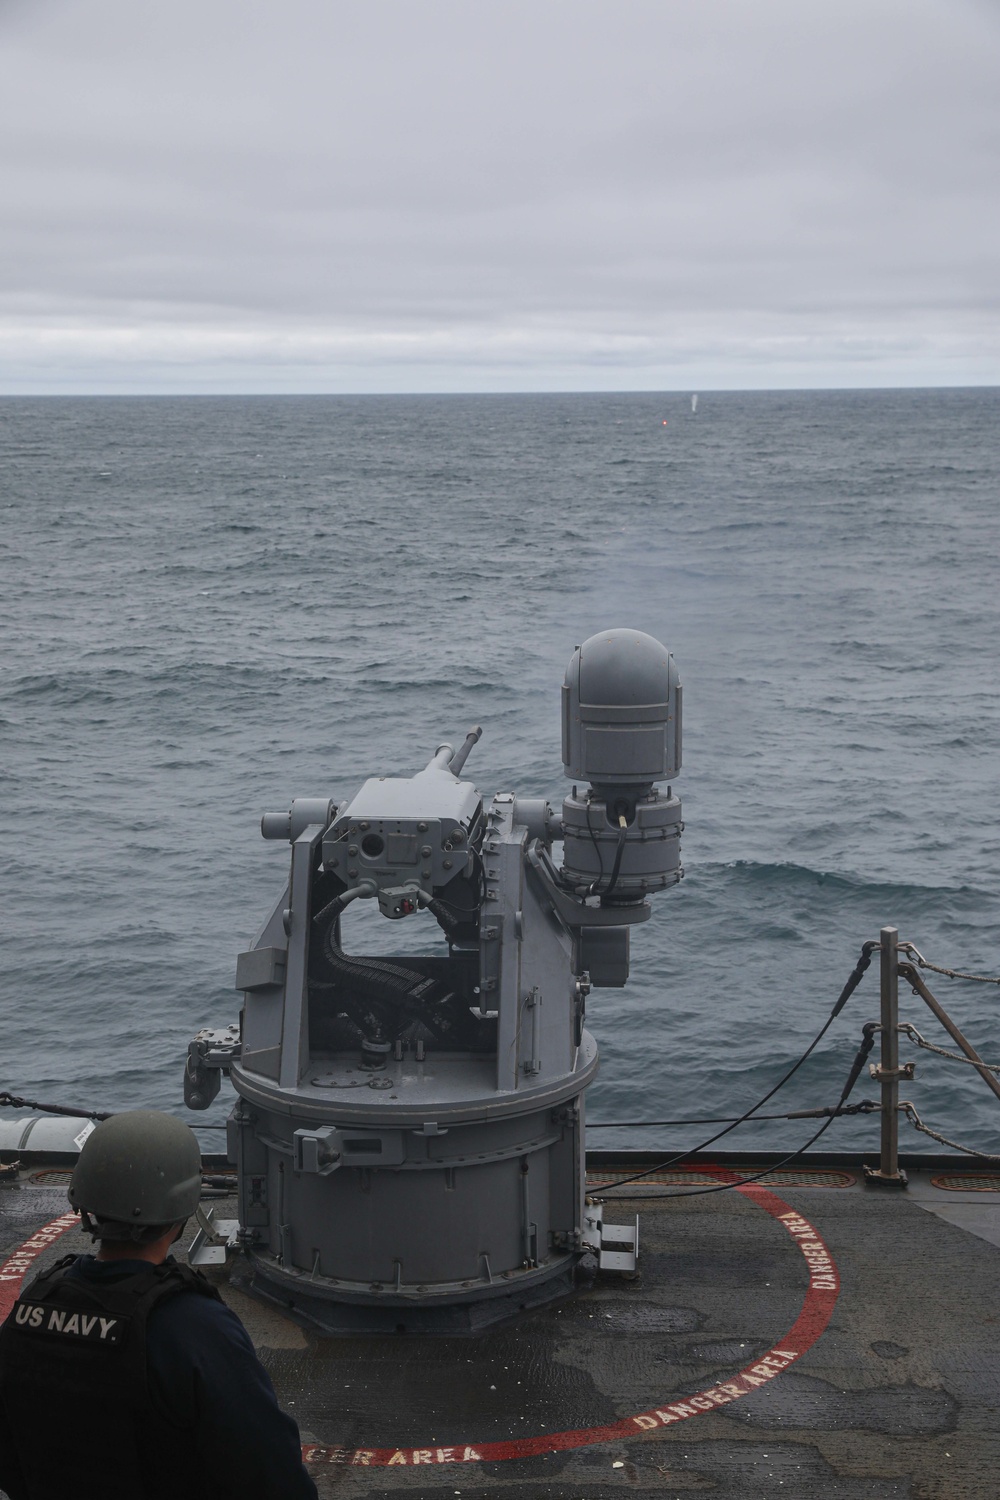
{"x": 446, "y": 1310}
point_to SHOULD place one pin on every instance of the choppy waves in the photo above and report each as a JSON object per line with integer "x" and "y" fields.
{"x": 210, "y": 606}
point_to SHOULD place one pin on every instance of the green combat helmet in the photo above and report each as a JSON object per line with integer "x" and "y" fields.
{"x": 138, "y": 1172}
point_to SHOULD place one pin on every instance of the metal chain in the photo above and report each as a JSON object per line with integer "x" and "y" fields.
{"x": 925, "y": 963}
{"x": 907, "y": 1108}
{"x": 914, "y": 1035}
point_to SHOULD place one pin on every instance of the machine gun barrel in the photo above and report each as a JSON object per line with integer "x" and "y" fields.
{"x": 447, "y": 758}
{"x": 458, "y": 760}
{"x": 441, "y": 759}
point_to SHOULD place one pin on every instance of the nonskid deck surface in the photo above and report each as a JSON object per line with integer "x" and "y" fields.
{"x": 732, "y": 1366}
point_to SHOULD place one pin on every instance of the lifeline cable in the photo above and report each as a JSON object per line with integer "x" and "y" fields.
{"x": 857, "y": 974}
{"x": 865, "y": 1107}
{"x": 15, "y": 1101}
{"x": 743, "y": 1182}
{"x": 908, "y": 1110}
{"x": 869, "y": 1031}
{"x": 925, "y": 963}
{"x": 904, "y": 1028}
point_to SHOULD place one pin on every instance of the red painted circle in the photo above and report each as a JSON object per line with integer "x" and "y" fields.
{"x": 817, "y": 1309}
{"x": 17, "y": 1266}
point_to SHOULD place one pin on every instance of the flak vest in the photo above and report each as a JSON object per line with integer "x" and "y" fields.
{"x": 74, "y": 1384}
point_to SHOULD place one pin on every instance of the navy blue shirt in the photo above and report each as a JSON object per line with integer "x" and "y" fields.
{"x": 204, "y": 1375}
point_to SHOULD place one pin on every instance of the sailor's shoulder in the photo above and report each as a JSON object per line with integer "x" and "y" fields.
{"x": 194, "y": 1313}
{"x": 68, "y": 1267}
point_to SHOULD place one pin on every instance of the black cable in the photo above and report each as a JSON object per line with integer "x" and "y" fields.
{"x": 444, "y": 914}
{"x": 857, "y": 974}
{"x": 701, "y": 1120}
{"x": 616, "y": 868}
{"x": 869, "y": 1031}
{"x": 15, "y": 1101}
{"x": 865, "y": 1107}
{"x": 594, "y": 889}
{"x": 722, "y": 1186}
{"x": 597, "y": 853}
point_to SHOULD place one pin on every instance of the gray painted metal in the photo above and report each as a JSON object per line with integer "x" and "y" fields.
{"x": 410, "y": 1131}
{"x": 621, "y": 731}
{"x": 622, "y": 711}
{"x": 889, "y": 995}
{"x": 651, "y": 856}
{"x": 888, "y": 1173}
{"x": 47, "y": 1133}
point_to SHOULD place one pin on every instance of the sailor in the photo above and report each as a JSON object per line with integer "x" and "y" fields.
{"x": 125, "y": 1376}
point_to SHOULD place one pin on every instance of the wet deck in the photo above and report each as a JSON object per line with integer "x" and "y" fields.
{"x": 813, "y": 1339}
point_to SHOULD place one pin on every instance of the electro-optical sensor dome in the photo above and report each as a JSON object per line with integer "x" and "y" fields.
{"x": 621, "y": 711}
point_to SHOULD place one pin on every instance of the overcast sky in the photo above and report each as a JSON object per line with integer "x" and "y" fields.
{"x": 406, "y": 195}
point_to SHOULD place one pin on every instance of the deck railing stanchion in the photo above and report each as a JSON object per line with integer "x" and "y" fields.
{"x": 888, "y": 1173}
{"x": 889, "y": 1039}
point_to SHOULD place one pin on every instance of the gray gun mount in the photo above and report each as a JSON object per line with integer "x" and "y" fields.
{"x": 409, "y": 1133}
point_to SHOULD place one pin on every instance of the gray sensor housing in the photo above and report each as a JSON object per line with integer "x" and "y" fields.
{"x": 621, "y": 711}
{"x": 621, "y": 732}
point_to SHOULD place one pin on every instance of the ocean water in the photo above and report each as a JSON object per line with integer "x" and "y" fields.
{"x": 209, "y": 606}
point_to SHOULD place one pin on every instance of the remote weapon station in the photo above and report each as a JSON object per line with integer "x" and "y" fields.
{"x": 409, "y": 1133}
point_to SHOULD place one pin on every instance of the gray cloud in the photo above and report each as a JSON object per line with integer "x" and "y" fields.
{"x": 388, "y": 195}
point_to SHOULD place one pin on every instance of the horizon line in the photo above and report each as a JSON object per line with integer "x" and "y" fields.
{"x": 681, "y": 390}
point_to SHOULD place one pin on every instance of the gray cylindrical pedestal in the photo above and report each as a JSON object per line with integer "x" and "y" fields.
{"x": 400, "y": 1219}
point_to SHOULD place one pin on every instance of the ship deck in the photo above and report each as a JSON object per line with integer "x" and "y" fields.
{"x": 806, "y": 1337}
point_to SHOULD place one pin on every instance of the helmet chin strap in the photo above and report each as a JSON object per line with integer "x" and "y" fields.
{"x": 139, "y": 1234}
